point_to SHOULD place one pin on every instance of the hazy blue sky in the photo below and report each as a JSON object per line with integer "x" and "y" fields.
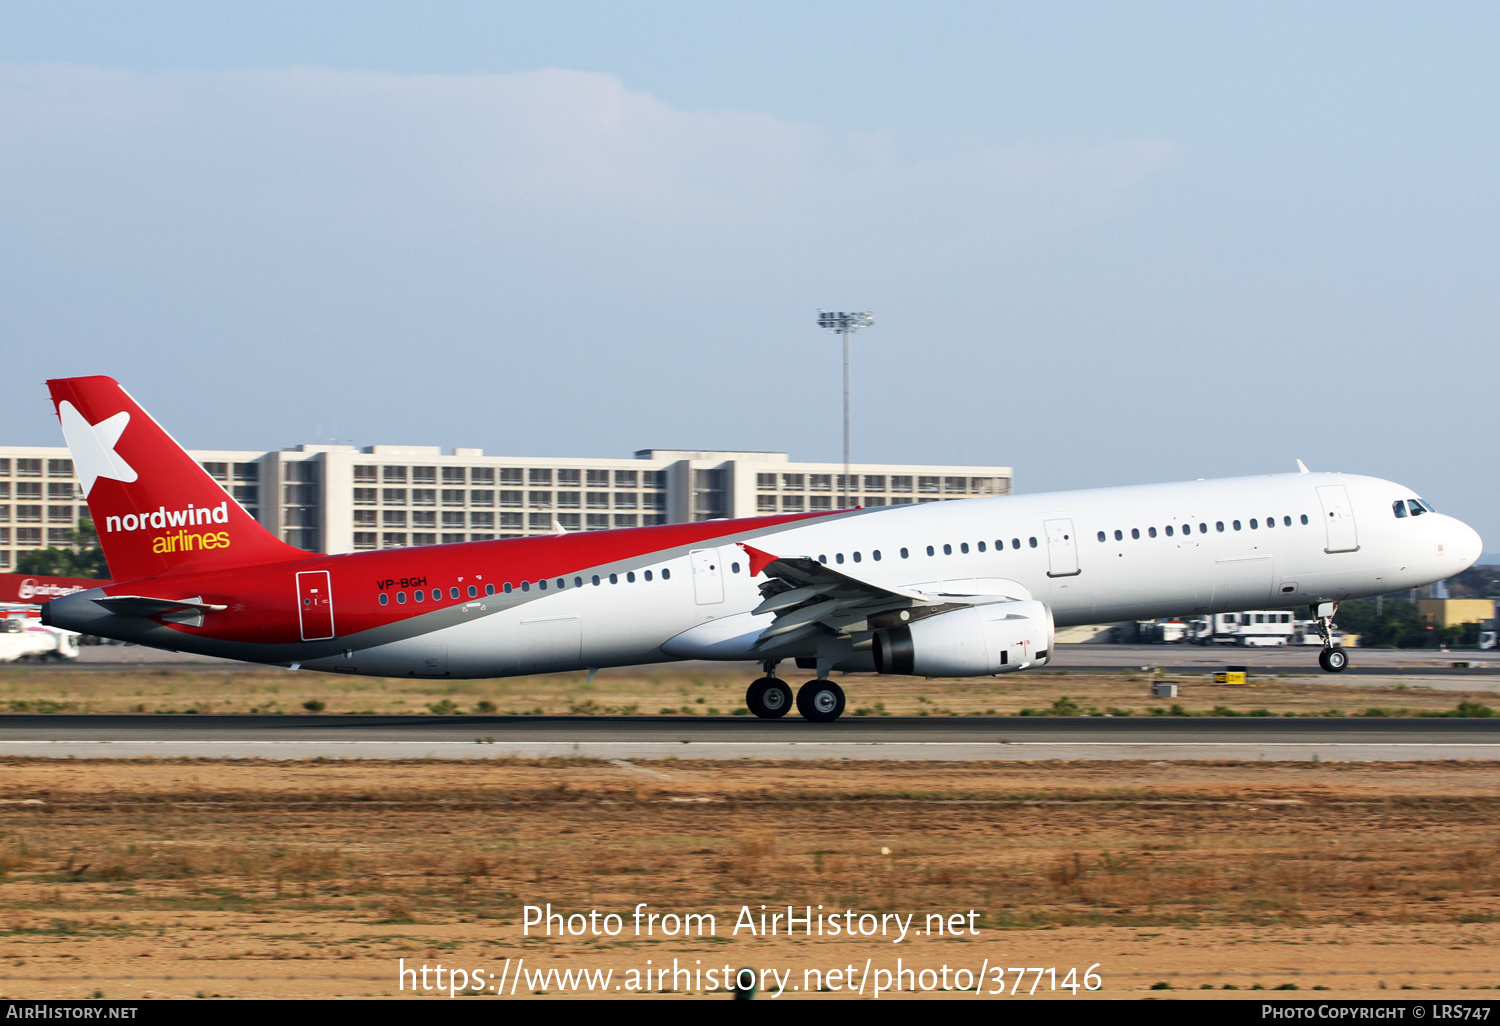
{"x": 1105, "y": 243}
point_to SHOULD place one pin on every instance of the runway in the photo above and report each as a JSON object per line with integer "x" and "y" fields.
{"x": 1006, "y": 739}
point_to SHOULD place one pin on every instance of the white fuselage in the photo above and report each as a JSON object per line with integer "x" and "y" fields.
{"x": 1334, "y": 537}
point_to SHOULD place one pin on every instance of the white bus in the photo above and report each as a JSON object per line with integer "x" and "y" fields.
{"x": 1252, "y": 628}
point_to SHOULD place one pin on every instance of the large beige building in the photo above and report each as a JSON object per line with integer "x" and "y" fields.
{"x": 335, "y": 498}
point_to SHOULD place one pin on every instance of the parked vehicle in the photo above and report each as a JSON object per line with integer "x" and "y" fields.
{"x": 27, "y": 638}
{"x": 1253, "y": 628}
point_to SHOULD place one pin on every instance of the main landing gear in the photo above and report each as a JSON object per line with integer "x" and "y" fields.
{"x": 821, "y": 700}
{"x": 1333, "y": 660}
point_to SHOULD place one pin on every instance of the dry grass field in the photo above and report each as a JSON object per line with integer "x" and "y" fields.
{"x": 200, "y": 689}
{"x": 186, "y": 878}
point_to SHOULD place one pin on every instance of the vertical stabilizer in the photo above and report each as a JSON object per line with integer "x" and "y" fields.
{"x": 156, "y": 510}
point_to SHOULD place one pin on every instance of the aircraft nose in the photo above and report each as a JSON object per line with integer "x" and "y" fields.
{"x": 1467, "y": 545}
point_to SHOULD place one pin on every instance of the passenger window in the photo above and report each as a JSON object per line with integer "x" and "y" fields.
{"x": 1015, "y": 543}
{"x": 1219, "y": 526}
{"x": 963, "y": 547}
{"x": 506, "y": 588}
{"x": 1304, "y": 518}
{"x": 648, "y": 575}
{"x": 1270, "y": 522}
{"x": 1286, "y": 522}
{"x": 400, "y": 598}
{"x": 1135, "y": 532}
{"x": 614, "y": 578}
{"x": 453, "y": 592}
{"x": 594, "y": 580}
{"x": 1203, "y": 528}
{"x": 541, "y": 585}
{"x": 1169, "y": 530}
{"x": 905, "y": 554}
{"x": 577, "y": 583}
{"x": 838, "y": 557}
{"x": 385, "y": 599}
{"x": 856, "y": 557}
{"x": 1033, "y": 542}
{"x": 1236, "y": 525}
{"x": 930, "y": 551}
{"x": 823, "y": 560}
{"x": 473, "y": 591}
{"x": 875, "y": 554}
{"x": 630, "y": 577}
{"x": 1119, "y": 536}
{"x": 489, "y": 589}
{"x": 1253, "y": 525}
{"x": 419, "y": 595}
{"x": 525, "y": 586}
{"x": 666, "y": 574}
{"x": 947, "y": 550}
{"x": 437, "y": 594}
{"x": 1151, "y": 532}
{"x": 981, "y": 545}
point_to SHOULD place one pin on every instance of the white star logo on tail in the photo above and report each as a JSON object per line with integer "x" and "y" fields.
{"x": 93, "y": 446}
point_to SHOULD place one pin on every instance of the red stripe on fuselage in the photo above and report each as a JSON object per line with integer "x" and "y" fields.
{"x": 262, "y": 600}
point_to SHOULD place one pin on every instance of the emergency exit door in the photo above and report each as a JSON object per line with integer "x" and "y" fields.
{"x": 708, "y": 576}
{"x": 315, "y": 605}
{"x": 1062, "y": 549}
{"x": 1338, "y": 518}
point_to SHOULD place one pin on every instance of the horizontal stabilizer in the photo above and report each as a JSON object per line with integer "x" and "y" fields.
{"x": 144, "y": 605}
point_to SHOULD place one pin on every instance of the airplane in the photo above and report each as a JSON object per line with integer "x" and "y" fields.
{"x": 974, "y": 587}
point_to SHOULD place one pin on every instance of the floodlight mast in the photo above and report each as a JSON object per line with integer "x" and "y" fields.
{"x": 845, "y": 324}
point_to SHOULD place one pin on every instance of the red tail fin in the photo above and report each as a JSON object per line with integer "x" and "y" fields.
{"x": 156, "y": 510}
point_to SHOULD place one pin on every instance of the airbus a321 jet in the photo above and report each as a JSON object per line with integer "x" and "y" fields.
{"x": 944, "y": 589}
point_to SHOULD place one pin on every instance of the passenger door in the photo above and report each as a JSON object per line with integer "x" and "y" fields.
{"x": 1062, "y": 549}
{"x": 1338, "y": 519}
{"x": 708, "y": 579}
{"x": 315, "y": 605}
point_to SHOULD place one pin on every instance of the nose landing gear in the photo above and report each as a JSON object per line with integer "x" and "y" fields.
{"x": 1333, "y": 660}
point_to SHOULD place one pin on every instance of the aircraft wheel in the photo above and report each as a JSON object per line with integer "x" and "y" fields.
{"x": 821, "y": 701}
{"x": 769, "y": 698}
{"x": 1333, "y": 660}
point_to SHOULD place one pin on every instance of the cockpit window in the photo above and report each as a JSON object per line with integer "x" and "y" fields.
{"x": 1399, "y": 507}
{"x": 1417, "y": 509}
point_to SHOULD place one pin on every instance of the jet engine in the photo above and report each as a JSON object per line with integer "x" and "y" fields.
{"x": 974, "y": 641}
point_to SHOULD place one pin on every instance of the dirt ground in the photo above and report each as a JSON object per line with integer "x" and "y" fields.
{"x": 196, "y": 689}
{"x": 147, "y": 878}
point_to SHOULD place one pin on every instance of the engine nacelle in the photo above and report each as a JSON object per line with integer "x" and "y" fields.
{"x": 975, "y": 641}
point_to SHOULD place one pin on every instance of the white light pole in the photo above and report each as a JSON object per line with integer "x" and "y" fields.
{"x": 845, "y": 324}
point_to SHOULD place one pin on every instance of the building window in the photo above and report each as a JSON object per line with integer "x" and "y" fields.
{"x": 483, "y": 537}
{"x": 424, "y": 539}
{"x": 927, "y": 484}
{"x": 249, "y": 495}
{"x": 454, "y": 476}
{"x": 566, "y": 478}
{"x": 424, "y": 518}
{"x": 765, "y": 482}
{"x": 540, "y": 476}
{"x": 539, "y": 521}
{"x": 64, "y": 468}
{"x": 453, "y": 496}
{"x": 364, "y": 518}
{"x": 452, "y": 539}
{"x": 251, "y": 472}
{"x": 653, "y": 479}
{"x": 596, "y": 521}
{"x": 28, "y": 468}
{"x": 901, "y": 483}
{"x": 510, "y": 521}
{"x": 393, "y": 497}
{"x": 57, "y": 536}
{"x": 510, "y": 476}
{"x": 820, "y": 482}
{"x": 654, "y": 500}
{"x": 844, "y": 486}
{"x": 424, "y": 475}
{"x": 5, "y": 516}
{"x": 791, "y": 503}
{"x": 362, "y": 475}
{"x": 453, "y": 520}
{"x": 60, "y": 491}
{"x": 29, "y": 490}
{"x": 59, "y": 514}
{"x": 28, "y": 515}
{"x": 955, "y": 485}
{"x": 28, "y": 535}
{"x": 793, "y": 482}
{"x": 396, "y": 475}
{"x": 572, "y": 521}
{"x": 569, "y": 500}
{"x": 626, "y": 500}
{"x": 5, "y": 490}
{"x": 5, "y": 467}
{"x": 598, "y": 479}
{"x": 486, "y": 521}
{"x": 364, "y": 496}
{"x": 539, "y": 500}
{"x": 624, "y": 519}
{"x": 598, "y": 500}
{"x": 364, "y": 539}
{"x": 766, "y": 503}
{"x": 820, "y": 502}
{"x": 394, "y": 518}
{"x": 874, "y": 500}
{"x": 482, "y": 475}
{"x": 509, "y": 498}
{"x": 627, "y": 479}
{"x": 217, "y": 471}
{"x": 651, "y": 520}
{"x": 874, "y": 482}
{"x": 424, "y": 496}
{"x": 984, "y": 485}
{"x": 481, "y": 497}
